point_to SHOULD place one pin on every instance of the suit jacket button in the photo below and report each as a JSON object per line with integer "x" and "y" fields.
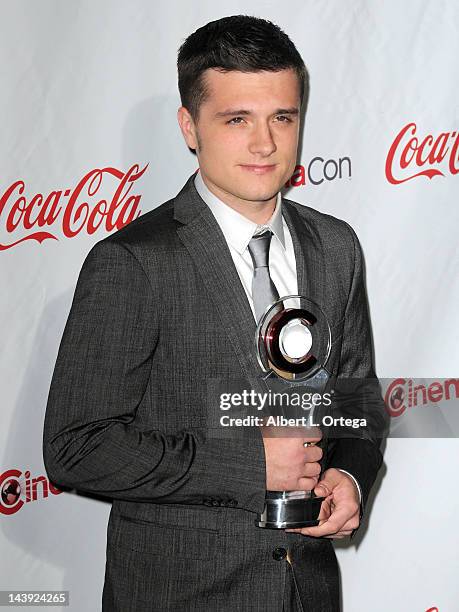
{"x": 215, "y": 502}
{"x": 279, "y": 553}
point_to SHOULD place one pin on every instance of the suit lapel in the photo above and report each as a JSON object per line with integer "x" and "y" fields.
{"x": 201, "y": 235}
{"x": 204, "y": 240}
{"x": 310, "y": 264}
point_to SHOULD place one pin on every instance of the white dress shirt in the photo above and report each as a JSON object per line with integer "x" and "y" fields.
{"x": 238, "y": 231}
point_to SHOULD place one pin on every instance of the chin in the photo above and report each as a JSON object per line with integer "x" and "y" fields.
{"x": 258, "y": 190}
{"x": 252, "y": 195}
{"x": 258, "y": 195}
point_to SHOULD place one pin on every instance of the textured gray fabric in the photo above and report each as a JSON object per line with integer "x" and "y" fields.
{"x": 264, "y": 290}
{"x": 158, "y": 312}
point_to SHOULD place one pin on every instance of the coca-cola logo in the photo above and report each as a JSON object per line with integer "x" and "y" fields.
{"x": 71, "y": 211}
{"x": 18, "y": 488}
{"x": 411, "y": 155}
{"x": 403, "y": 393}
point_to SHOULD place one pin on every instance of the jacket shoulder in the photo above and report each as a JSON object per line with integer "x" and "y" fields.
{"x": 327, "y": 228}
{"x": 154, "y": 229}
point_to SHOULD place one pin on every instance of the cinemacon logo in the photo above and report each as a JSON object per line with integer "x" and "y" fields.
{"x": 412, "y": 155}
{"x": 403, "y": 394}
{"x": 69, "y": 212}
{"x": 320, "y": 170}
{"x": 18, "y": 488}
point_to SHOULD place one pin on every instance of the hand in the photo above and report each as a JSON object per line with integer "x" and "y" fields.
{"x": 340, "y": 511}
{"x": 290, "y": 466}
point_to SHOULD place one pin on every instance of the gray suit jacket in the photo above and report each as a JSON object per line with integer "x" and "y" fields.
{"x": 158, "y": 310}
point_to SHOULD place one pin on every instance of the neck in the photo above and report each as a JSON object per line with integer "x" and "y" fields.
{"x": 258, "y": 212}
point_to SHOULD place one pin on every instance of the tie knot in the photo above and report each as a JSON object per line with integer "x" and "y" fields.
{"x": 259, "y": 249}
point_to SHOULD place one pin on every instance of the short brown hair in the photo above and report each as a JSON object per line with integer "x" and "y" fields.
{"x": 240, "y": 42}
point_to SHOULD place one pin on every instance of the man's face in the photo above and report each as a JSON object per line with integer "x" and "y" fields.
{"x": 246, "y": 135}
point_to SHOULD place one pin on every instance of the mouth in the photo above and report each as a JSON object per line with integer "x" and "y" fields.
{"x": 259, "y": 168}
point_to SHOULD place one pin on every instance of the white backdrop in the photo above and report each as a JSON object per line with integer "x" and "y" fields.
{"x": 90, "y": 87}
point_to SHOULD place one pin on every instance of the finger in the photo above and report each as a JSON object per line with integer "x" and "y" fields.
{"x": 352, "y": 524}
{"x": 334, "y": 524}
{"x": 344, "y": 533}
{"x": 302, "y": 530}
{"x": 312, "y": 434}
{"x": 323, "y": 489}
{"x": 307, "y": 484}
{"x": 333, "y": 477}
{"x": 312, "y": 453}
{"x": 325, "y": 511}
{"x": 311, "y": 470}
{"x": 327, "y": 528}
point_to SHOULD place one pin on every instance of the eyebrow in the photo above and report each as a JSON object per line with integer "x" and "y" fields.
{"x": 280, "y": 111}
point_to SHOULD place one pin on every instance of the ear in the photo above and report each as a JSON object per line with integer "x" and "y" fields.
{"x": 188, "y": 127}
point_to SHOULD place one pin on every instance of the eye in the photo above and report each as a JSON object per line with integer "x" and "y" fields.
{"x": 235, "y": 121}
{"x": 283, "y": 119}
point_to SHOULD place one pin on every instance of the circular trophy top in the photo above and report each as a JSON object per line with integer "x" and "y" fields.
{"x": 293, "y": 338}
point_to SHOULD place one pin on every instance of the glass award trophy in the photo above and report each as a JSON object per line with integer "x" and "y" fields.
{"x": 293, "y": 342}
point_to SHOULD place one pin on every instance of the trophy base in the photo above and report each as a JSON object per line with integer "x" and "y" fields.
{"x": 289, "y": 510}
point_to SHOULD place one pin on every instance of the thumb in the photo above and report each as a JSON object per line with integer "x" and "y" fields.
{"x": 323, "y": 489}
{"x": 325, "y": 486}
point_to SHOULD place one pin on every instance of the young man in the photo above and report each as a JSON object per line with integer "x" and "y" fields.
{"x": 166, "y": 304}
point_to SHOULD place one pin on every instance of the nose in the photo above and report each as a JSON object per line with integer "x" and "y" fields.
{"x": 261, "y": 142}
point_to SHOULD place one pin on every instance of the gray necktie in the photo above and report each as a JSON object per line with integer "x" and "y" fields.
{"x": 264, "y": 291}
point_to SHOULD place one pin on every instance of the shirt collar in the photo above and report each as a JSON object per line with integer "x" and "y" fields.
{"x": 237, "y": 229}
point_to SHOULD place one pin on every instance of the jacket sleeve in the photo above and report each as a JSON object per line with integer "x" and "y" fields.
{"x": 357, "y": 452}
{"x": 92, "y": 441}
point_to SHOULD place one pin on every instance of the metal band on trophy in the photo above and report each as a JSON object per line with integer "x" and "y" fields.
{"x": 293, "y": 341}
